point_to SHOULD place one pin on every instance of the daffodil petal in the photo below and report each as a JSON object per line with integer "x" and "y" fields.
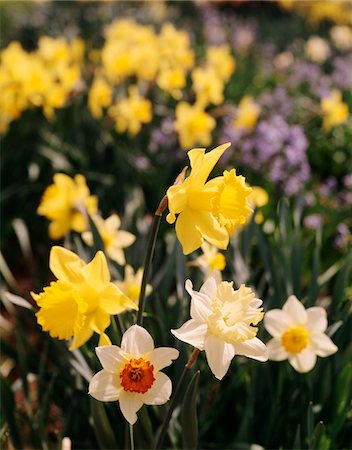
{"x": 304, "y": 361}
{"x": 219, "y": 355}
{"x": 187, "y": 232}
{"x": 111, "y": 357}
{"x": 322, "y": 344}
{"x": 192, "y": 332}
{"x": 276, "y": 322}
{"x": 209, "y": 287}
{"x": 99, "y": 320}
{"x": 125, "y": 238}
{"x": 96, "y": 272}
{"x": 66, "y": 265}
{"x": 114, "y": 301}
{"x": 104, "y": 386}
{"x": 211, "y": 230}
{"x": 160, "y": 392}
{"x": 177, "y": 197}
{"x": 113, "y": 222}
{"x": 82, "y": 336}
{"x": 200, "y": 304}
{"x": 295, "y": 311}
{"x": 137, "y": 341}
{"x": 104, "y": 339}
{"x": 162, "y": 357}
{"x": 252, "y": 348}
{"x": 130, "y": 403}
{"x": 276, "y": 350}
{"x": 317, "y": 320}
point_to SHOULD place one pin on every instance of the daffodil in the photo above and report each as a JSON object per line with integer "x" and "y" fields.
{"x": 334, "y": 110}
{"x": 223, "y": 324}
{"x": 219, "y": 58}
{"x": 99, "y": 97}
{"x": 80, "y": 302}
{"x": 207, "y": 211}
{"x": 208, "y": 86}
{"x": 132, "y": 282}
{"x": 114, "y": 240}
{"x": 247, "y": 114}
{"x": 298, "y": 334}
{"x": 64, "y": 203}
{"x": 131, "y": 374}
{"x": 317, "y": 49}
{"x": 257, "y": 199}
{"x": 211, "y": 262}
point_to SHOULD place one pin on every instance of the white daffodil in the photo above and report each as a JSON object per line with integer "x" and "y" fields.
{"x": 298, "y": 334}
{"x": 222, "y": 322}
{"x": 131, "y": 374}
{"x": 114, "y": 239}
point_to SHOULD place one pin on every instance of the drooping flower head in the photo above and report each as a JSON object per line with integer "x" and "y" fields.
{"x": 114, "y": 240}
{"x": 63, "y": 202}
{"x": 80, "y": 302}
{"x": 131, "y": 374}
{"x": 298, "y": 334}
{"x": 223, "y": 324}
{"x": 207, "y": 211}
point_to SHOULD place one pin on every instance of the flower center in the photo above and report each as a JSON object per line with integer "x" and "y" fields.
{"x": 295, "y": 339}
{"x": 137, "y": 375}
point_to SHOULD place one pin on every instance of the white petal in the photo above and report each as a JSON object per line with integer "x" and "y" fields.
{"x": 276, "y": 350}
{"x": 137, "y": 341}
{"x": 192, "y": 332}
{"x": 322, "y": 344}
{"x": 219, "y": 355}
{"x": 160, "y": 392}
{"x": 317, "y": 320}
{"x": 162, "y": 357}
{"x": 209, "y": 287}
{"x": 200, "y": 304}
{"x": 130, "y": 403}
{"x": 253, "y": 348}
{"x": 276, "y": 322}
{"x": 295, "y": 310}
{"x": 111, "y": 357}
{"x": 304, "y": 361}
{"x": 105, "y": 386}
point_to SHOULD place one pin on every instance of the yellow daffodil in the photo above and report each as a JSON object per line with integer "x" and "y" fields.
{"x": 132, "y": 282}
{"x": 298, "y": 334}
{"x": 100, "y": 96}
{"x": 258, "y": 198}
{"x": 221, "y": 61}
{"x": 207, "y": 211}
{"x": 131, "y": 112}
{"x": 114, "y": 240}
{"x": 223, "y": 324}
{"x": 132, "y": 374}
{"x": 64, "y": 203}
{"x": 211, "y": 262}
{"x": 172, "y": 80}
{"x": 80, "y": 302}
{"x": 193, "y": 124}
{"x": 247, "y": 114}
{"x": 334, "y": 110}
{"x": 208, "y": 86}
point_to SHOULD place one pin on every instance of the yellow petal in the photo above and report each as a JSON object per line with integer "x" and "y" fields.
{"x": 96, "y": 272}
{"x": 124, "y": 238}
{"x": 99, "y": 320}
{"x": 177, "y": 199}
{"x": 203, "y": 163}
{"x": 211, "y": 230}
{"x": 66, "y": 265}
{"x": 104, "y": 340}
{"x": 187, "y": 232}
{"x": 114, "y": 301}
{"x": 83, "y": 335}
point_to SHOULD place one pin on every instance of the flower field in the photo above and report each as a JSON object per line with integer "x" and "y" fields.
{"x": 176, "y": 225}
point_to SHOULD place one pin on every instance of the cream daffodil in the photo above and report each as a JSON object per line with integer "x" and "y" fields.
{"x": 80, "y": 302}
{"x": 131, "y": 284}
{"x": 114, "y": 240}
{"x": 131, "y": 374}
{"x": 223, "y": 324}
{"x": 211, "y": 262}
{"x": 298, "y": 334}
{"x": 207, "y": 211}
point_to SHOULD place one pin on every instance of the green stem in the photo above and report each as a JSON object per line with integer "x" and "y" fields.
{"x": 131, "y": 437}
{"x": 175, "y": 398}
{"x": 149, "y": 257}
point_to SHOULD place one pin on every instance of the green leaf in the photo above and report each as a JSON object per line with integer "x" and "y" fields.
{"x": 143, "y": 429}
{"x": 102, "y": 428}
{"x": 342, "y": 281}
{"x": 317, "y": 435}
{"x": 297, "y": 443}
{"x": 189, "y": 419}
{"x": 310, "y": 424}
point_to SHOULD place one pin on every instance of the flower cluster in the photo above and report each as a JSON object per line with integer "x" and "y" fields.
{"x": 45, "y": 78}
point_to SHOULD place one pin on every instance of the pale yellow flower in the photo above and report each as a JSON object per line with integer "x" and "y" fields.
{"x": 211, "y": 262}
{"x": 247, "y": 114}
{"x": 223, "y": 324}
{"x": 63, "y": 203}
{"x": 132, "y": 282}
{"x": 208, "y": 86}
{"x": 334, "y": 110}
{"x": 114, "y": 239}
{"x": 99, "y": 97}
{"x": 317, "y": 49}
{"x": 80, "y": 302}
{"x": 341, "y": 36}
{"x": 298, "y": 334}
{"x": 193, "y": 124}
